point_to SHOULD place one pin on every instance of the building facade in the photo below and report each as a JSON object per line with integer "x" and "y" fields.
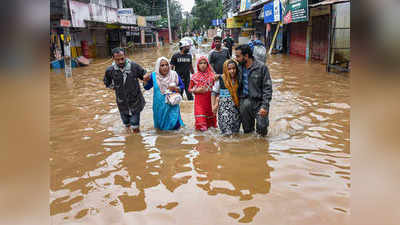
{"x": 98, "y": 26}
{"x": 313, "y": 29}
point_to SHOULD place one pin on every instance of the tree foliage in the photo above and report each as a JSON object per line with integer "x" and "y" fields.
{"x": 157, "y": 7}
{"x": 204, "y": 11}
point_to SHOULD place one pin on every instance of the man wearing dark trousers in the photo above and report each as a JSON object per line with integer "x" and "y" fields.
{"x": 122, "y": 76}
{"x": 182, "y": 63}
{"x": 255, "y": 91}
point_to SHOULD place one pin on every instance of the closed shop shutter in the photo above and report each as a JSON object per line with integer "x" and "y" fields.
{"x": 320, "y": 32}
{"x": 298, "y": 36}
{"x": 101, "y": 44}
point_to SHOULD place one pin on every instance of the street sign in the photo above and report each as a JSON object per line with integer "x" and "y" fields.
{"x": 65, "y": 23}
{"x": 153, "y": 18}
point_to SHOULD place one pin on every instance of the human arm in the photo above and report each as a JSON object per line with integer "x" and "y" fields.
{"x": 146, "y": 77}
{"x": 140, "y": 71}
{"x": 181, "y": 85}
{"x": 228, "y": 55}
{"x": 196, "y": 90}
{"x": 108, "y": 82}
{"x": 211, "y": 61}
{"x": 148, "y": 82}
{"x": 266, "y": 92}
{"x": 191, "y": 66}
{"x": 173, "y": 62}
{"x": 214, "y": 103}
{"x": 191, "y": 86}
{"x": 215, "y": 97}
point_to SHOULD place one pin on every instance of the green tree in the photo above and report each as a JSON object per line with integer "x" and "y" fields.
{"x": 204, "y": 11}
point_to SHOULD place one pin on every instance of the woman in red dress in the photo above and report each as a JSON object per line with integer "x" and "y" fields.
{"x": 201, "y": 85}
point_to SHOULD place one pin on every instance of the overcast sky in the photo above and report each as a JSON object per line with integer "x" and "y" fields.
{"x": 187, "y": 5}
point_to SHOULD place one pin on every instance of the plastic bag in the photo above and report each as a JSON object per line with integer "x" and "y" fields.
{"x": 173, "y": 98}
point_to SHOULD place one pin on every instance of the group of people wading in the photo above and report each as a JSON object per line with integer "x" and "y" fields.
{"x": 228, "y": 92}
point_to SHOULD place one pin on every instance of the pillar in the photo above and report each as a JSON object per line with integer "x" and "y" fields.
{"x": 309, "y": 39}
{"x": 142, "y": 37}
{"x": 157, "y": 39}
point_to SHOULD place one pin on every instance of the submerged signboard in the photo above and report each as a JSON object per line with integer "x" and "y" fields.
{"x": 294, "y": 11}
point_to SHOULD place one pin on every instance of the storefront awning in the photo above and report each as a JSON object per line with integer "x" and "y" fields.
{"x": 93, "y": 24}
{"x": 327, "y": 2}
{"x": 249, "y": 12}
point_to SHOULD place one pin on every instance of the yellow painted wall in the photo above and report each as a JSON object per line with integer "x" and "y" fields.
{"x": 77, "y": 51}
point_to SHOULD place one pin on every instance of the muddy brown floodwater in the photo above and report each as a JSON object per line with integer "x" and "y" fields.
{"x": 299, "y": 174}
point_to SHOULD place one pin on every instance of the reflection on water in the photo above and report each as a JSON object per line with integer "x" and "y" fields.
{"x": 299, "y": 174}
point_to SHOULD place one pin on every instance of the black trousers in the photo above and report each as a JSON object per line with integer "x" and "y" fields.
{"x": 186, "y": 82}
{"x": 249, "y": 113}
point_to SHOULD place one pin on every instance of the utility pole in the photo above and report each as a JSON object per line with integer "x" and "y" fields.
{"x": 169, "y": 24}
{"x": 67, "y": 47}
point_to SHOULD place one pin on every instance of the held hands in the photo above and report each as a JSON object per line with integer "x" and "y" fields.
{"x": 215, "y": 106}
{"x": 200, "y": 90}
{"x": 263, "y": 112}
{"x": 215, "y": 109}
{"x": 146, "y": 78}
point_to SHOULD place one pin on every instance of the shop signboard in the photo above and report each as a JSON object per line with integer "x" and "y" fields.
{"x": 141, "y": 21}
{"x": 80, "y": 13}
{"x": 101, "y": 13}
{"x": 217, "y": 22}
{"x": 153, "y": 18}
{"x": 294, "y": 11}
{"x": 125, "y": 11}
{"x": 126, "y": 16}
{"x": 272, "y": 12}
{"x": 65, "y": 23}
{"x": 239, "y": 22}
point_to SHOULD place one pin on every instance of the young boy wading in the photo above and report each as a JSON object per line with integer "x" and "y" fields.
{"x": 123, "y": 77}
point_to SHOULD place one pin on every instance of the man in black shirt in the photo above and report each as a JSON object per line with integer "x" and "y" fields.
{"x": 255, "y": 91}
{"x": 218, "y": 56}
{"x": 182, "y": 63}
{"x": 123, "y": 77}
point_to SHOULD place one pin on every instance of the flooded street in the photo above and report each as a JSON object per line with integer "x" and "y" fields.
{"x": 299, "y": 174}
